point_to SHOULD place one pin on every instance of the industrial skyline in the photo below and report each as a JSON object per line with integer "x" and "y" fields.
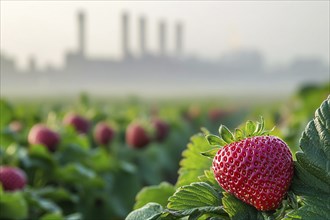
{"x": 280, "y": 30}
{"x": 158, "y": 69}
{"x": 80, "y": 52}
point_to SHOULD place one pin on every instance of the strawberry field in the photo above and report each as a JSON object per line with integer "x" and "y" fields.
{"x": 144, "y": 159}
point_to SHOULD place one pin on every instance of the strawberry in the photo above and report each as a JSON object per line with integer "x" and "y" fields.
{"x": 79, "y": 123}
{"x": 103, "y": 133}
{"x": 256, "y": 168}
{"x": 216, "y": 114}
{"x": 40, "y": 134}
{"x": 12, "y": 178}
{"x": 16, "y": 126}
{"x": 161, "y": 128}
{"x": 192, "y": 113}
{"x": 136, "y": 135}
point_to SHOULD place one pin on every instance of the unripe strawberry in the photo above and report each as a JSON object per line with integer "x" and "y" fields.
{"x": 40, "y": 134}
{"x": 103, "y": 133}
{"x": 136, "y": 135}
{"x": 80, "y": 123}
{"x": 161, "y": 127}
{"x": 12, "y": 178}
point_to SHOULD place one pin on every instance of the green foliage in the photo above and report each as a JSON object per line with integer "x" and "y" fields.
{"x": 73, "y": 173}
{"x": 190, "y": 168}
{"x": 199, "y": 196}
{"x": 226, "y": 137}
{"x": 195, "y": 195}
{"x": 148, "y": 212}
{"x": 6, "y": 113}
{"x": 215, "y": 140}
{"x": 312, "y": 176}
{"x": 82, "y": 180}
{"x": 238, "y": 210}
{"x": 52, "y": 216}
{"x": 13, "y": 205}
{"x": 209, "y": 178}
{"x": 157, "y": 194}
{"x": 298, "y": 111}
{"x": 95, "y": 182}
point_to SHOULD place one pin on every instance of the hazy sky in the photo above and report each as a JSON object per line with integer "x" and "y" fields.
{"x": 282, "y": 30}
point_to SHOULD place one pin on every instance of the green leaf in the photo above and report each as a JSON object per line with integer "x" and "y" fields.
{"x": 42, "y": 154}
{"x": 238, "y": 209}
{"x": 73, "y": 153}
{"x": 215, "y": 140}
{"x": 250, "y": 127}
{"x": 239, "y": 135}
{"x": 209, "y": 178}
{"x": 74, "y": 174}
{"x": 312, "y": 169}
{"x": 195, "y": 195}
{"x": 74, "y": 216}
{"x": 147, "y": 212}
{"x": 46, "y": 205}
{"x": 193, "y": 163}
{"x": 52, "y": 216}
{"x": 56, "y": 194}
{"x": 100, "y": 161}
{"x": 13, "y": 206}
{"x": 195, "y": 200}
{"x": 314, "y": 208}
{"x": 211, "y": 153}
{"x": 202, "y": 213}
{"x": 260, "y": 125}
{"x": 158, "y": 194}
{"x": 225, "y": 134}
{"x": 6, "y": 113}
{"x": 258, "y": 128}
{"x": 125, "y": 187}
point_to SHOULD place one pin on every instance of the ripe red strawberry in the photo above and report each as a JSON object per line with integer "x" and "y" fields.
{"x": 12, "y": 178}
{"x": 258, "y": 170}
{"x": 215, "y": 114}
{"x": 137, "y": 136}
{"x": 161, "y": 127}
{"x": 40, "y": 134}
{"x": 103, "y": 133}
{"x": 80, "y": 123}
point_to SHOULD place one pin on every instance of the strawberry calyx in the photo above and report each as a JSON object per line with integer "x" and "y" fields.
{"x": 251, "y": 129}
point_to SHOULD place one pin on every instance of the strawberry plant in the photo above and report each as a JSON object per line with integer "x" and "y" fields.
{"x": 78, "y": 170}
{"x": 260, "y": 194}
{"x": 137, "y": 136}
{"x": 161, "y": 129}
{"x": 256, "y": 169}
{"x": 12, "y": 178}
{"x": 39, "y": 134}
{"x": 103, "y": 133}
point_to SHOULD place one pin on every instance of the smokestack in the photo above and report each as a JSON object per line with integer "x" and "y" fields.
{"x": 178, "y": 38}
{"x": 32, "y": 64}
{"x": 162, "y": 38}
{"x": 142, "y": 24}
{"x": 125, "y": 34}
{"x": 81, "y": 33}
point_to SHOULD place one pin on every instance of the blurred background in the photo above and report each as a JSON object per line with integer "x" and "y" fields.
{"x": 101, "y": 98}
{"x": 157, "y": 49}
